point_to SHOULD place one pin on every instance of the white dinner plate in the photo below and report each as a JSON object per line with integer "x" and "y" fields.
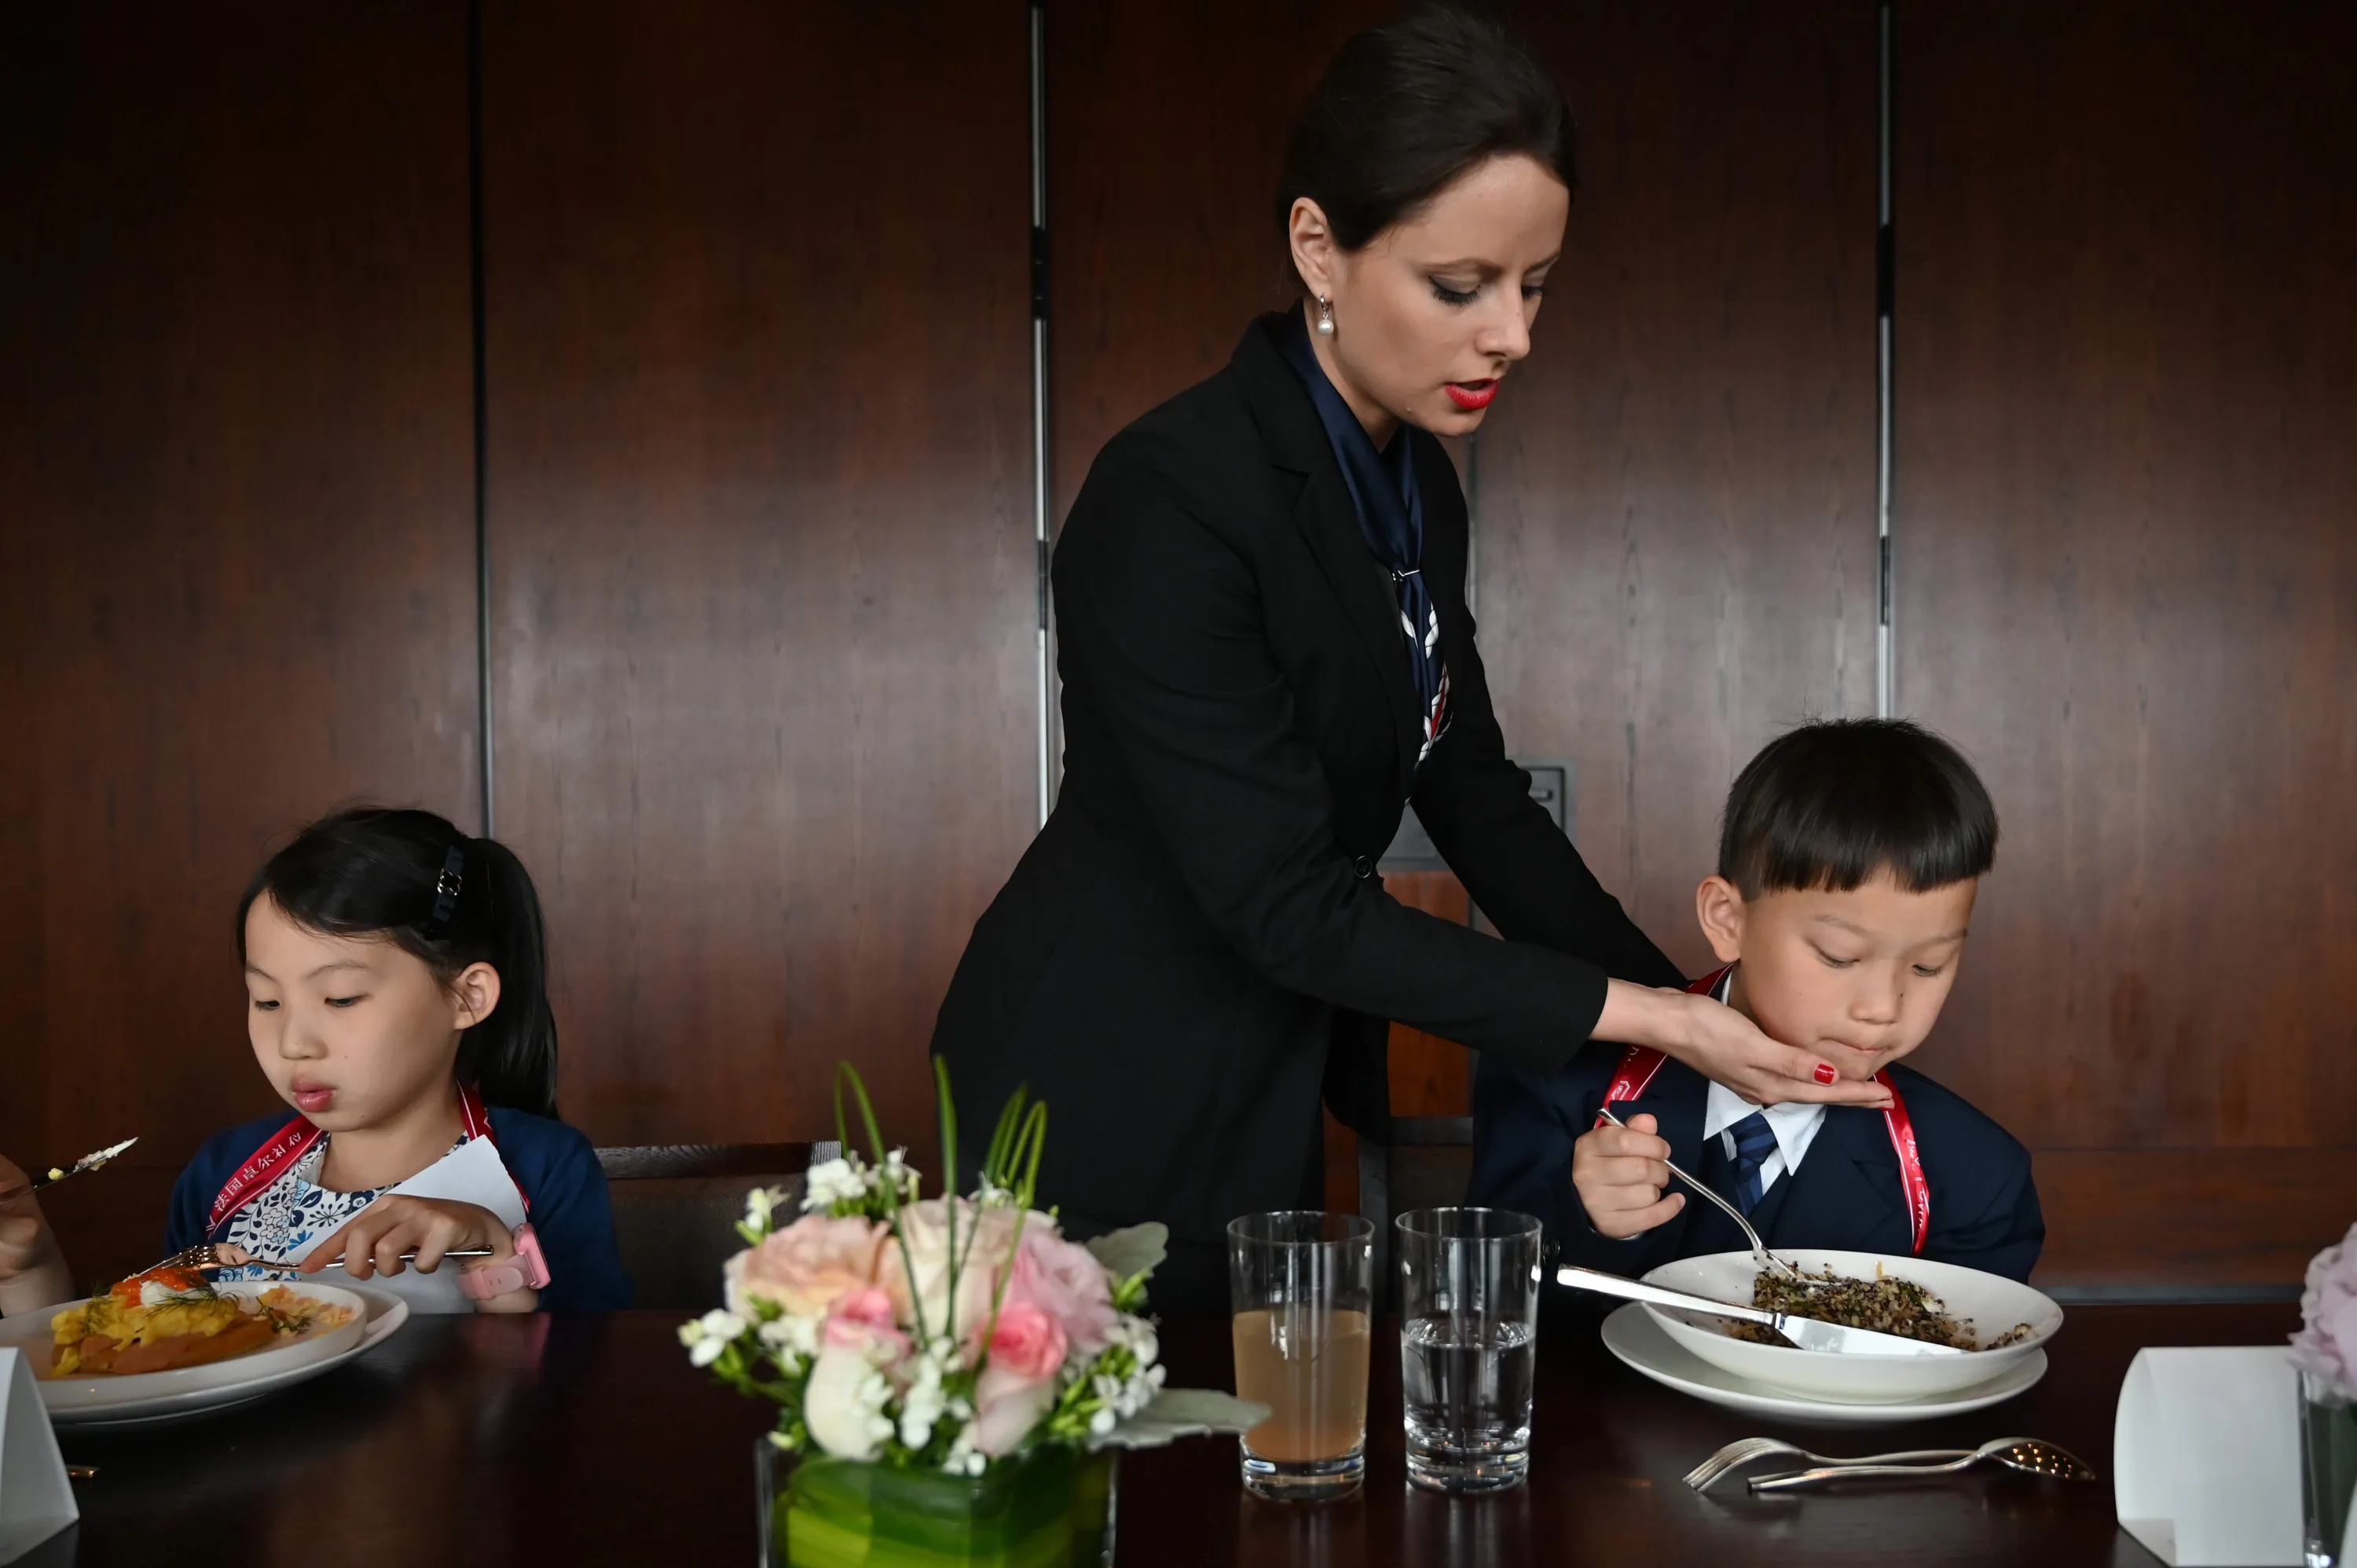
{"x": 153, "y": 1398}
{"x": 1633, "y": 1334}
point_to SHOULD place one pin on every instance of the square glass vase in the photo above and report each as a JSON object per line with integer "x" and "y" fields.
{"x": 2328, "y": 1471}
{"x": 1049, "y": 1509}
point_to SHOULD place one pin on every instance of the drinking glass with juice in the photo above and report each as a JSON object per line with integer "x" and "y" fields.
{"x": 1301, "y": 1285}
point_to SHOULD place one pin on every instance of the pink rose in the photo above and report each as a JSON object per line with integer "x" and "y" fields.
{"x": 1028, "y": 1343}
{"x": 1065, "y": 1280}
{"x": 1019, "y": 1384}
{"x": 809, "y": 1266}
{"x": 861, "y": 1317}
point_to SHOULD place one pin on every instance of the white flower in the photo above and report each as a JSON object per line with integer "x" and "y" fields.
{"x": 789, "y": 1340}
{"x": 1101, "y": 1422}
{"x": 963, "y": 1458}
{"x": 901, "y": 1175}
{"x": 843, "y": 1404}
{"x": 708, "y": 1336}
{"x": 830, "y": 1182}
{"x": 922, "y": 1405}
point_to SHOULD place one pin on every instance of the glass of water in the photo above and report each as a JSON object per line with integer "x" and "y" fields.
{"x": 1469, "y": 1345}
{"x": 1302, "y": 1283}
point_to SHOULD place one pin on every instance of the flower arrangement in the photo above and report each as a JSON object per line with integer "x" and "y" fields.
{"x": 2326, "y": 1346}
{"x": 951, "y": 1333}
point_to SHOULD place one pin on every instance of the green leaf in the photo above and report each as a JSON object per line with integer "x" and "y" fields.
{"x": 1184, "y": 1413}
{"x": 1131, "y": 1251}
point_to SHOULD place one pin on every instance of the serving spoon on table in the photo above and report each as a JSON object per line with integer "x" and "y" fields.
{"x": 1767, "y": 1259}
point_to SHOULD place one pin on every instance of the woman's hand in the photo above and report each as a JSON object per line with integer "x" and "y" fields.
{"x": 33, "y": 1270}
{"x": 375, "y": 1238}
{"x": 1723, "y": 1045}
{"x": 1618, "y": 1173}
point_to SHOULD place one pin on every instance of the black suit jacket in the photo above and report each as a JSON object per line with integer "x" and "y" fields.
{"x": 1845, "y": 1197}
{"x": 1198, "y": 930}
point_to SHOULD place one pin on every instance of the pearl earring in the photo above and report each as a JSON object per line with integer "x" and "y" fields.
{"x": 1325, "y": 316}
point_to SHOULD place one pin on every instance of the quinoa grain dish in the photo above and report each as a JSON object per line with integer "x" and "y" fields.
{"x": 1889, "y": 1305}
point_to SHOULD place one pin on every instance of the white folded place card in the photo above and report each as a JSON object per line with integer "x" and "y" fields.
{"x": 36, "y": 1500}
{"x": 2205, "y": 1457}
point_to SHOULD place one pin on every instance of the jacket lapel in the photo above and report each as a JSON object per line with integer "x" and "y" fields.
{"x": 1846, "y": 1195}
{"x": 1296, "y": 444}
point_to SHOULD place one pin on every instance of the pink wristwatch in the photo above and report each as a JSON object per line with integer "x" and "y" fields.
{"x": 485, "y": 1281}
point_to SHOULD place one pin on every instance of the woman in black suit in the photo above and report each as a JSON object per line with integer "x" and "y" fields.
{"x": 1265, "y": 653}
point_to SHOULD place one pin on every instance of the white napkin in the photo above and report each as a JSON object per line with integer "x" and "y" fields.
{"x": 471, "y": 1173}
{"x": 37, "y": 1501}
{"x": 2205, "y": 1457}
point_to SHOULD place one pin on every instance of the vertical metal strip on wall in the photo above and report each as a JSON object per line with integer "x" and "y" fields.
{"x": 1039, "y": 483}
{"x": 483, "y": 413}
{"x": 1885, "y": 262}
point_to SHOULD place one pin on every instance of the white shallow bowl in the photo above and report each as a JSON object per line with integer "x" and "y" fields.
{"x": 1636, "y": 1337}
{"x": 1993, "y": 1302}
{"x": 144, "y": 1397}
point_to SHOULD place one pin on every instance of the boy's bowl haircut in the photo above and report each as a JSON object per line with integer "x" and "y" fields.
{"x": 1992, "y": 1302}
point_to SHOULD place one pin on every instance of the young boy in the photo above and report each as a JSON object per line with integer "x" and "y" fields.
{"x": 1847, "y": 866}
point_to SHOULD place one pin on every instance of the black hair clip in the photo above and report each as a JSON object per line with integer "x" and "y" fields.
{"x": 446, "y": 885}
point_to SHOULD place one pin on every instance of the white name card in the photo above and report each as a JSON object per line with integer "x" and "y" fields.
{"x": 36, "y": 1500}
{"x": 2205, "y": 1457}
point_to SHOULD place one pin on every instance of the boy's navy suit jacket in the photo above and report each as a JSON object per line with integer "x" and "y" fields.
{"x": 1845, "y": 1194}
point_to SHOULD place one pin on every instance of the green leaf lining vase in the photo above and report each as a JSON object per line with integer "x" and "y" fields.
{"x": 1052, "y": 1509}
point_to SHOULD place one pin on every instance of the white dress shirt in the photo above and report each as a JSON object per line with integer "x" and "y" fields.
{"x": 1794, "y": 1124}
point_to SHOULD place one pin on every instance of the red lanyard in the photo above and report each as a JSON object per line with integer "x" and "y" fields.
{"x": 1640, "y": 1063}
{"x": 291, "y": 1143}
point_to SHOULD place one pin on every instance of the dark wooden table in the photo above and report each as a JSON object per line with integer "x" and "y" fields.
{"x": 588, "y": 1440}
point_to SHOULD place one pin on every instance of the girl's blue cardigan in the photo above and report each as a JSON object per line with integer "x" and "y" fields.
{"x": 554, "y": 1165}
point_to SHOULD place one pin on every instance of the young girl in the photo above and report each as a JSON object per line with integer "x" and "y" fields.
{"x": 395, "y": 976}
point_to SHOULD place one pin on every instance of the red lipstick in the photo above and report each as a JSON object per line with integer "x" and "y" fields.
{"x": 1471, "y": 395}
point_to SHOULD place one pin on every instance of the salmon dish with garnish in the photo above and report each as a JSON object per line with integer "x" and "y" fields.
{"x": 168, "y": 1318}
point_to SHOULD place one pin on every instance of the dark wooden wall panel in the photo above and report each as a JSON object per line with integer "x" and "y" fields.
{"x": 1676, "y": 492}
{"x": 237, "y": 558}
{"x": 1167, "y": 128}
{"x": 759, "y": 482}
{"x": 2128, "y": 585}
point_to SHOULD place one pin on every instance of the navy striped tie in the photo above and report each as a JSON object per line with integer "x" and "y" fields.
{"x": 1754, "y": 1142}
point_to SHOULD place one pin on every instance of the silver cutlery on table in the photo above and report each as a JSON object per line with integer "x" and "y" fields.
{"x": 1737, "y": 1454}
{"x": 2030, "y": 1456}
{"x": 205, "y": 1255}
{"x": 89, "y": 1162}
{"x": 1758, "y": 1247}
{"x": 1808, "y": 1333}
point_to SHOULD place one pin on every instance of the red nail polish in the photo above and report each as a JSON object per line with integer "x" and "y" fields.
{"x": 1825, "y": 1073}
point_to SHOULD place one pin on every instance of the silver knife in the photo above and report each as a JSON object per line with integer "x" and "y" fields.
{"x": 1808, "y": 1333}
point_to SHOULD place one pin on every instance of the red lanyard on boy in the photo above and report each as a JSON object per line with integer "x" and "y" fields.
{"x": 1640, "y": 1063}
{"x": 287, "y": 1146}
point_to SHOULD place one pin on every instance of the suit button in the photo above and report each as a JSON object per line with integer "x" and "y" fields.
{"x": 1364, "y": 866}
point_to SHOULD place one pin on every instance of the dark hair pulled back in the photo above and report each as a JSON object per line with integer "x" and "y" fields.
{"x": 1408, "y": 105}
{"x": 373, "y": 871}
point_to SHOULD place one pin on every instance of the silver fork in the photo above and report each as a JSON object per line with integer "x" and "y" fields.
{"x": 205, "y": 1255}
{"x": 1739, "y": 1454}
{"x": 1758, "y": 1247}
